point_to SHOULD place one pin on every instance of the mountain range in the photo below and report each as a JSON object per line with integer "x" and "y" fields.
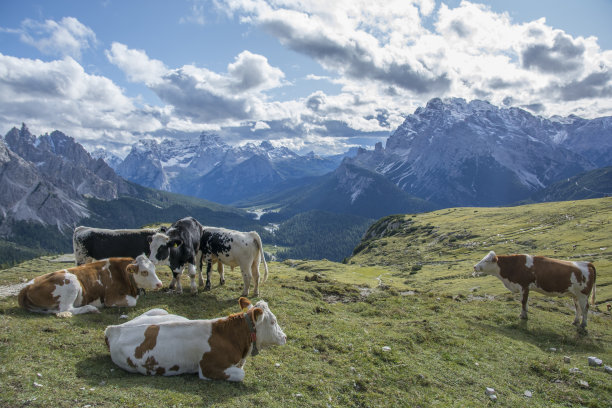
{"x": 455, "y": 153}
{"x": 448, "y": 153}
{"x": 208, "y": 168}
{"x": 50, "y": 183}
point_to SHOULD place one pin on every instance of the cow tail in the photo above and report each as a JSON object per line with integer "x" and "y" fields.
{"x": 263, "y": 257}
{"x": 594, "y": 285}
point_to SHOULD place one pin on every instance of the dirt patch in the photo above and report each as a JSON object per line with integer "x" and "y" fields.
{"x": 11, "y": 290}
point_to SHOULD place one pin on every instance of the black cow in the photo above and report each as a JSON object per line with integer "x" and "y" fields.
{"x": 178, "y": 246}
{"x": 97, "y": 243}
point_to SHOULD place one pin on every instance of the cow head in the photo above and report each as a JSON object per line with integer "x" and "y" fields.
{"x": 143, "y": 271}
{"x": 158, "y": 243}
{"x": 268, "y": 331}
{"x": 487, "y": 265}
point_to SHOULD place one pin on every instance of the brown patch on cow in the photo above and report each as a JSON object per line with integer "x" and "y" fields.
{"x": 174, "y": 368}
{"x": 554, "y": 275}
{"x": 151, "y": 365}
{"x": 149, "y": 341}
{"x": 229, "y": 342}
{"x": 39, "y": 294}
{"x": 131, "y": 363}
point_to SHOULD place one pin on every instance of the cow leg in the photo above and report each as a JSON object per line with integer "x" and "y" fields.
{"x": 577, "y": 318}
{"x": 192, "y": 275}
{"x": 199, "y": 263}
{"x": 208, "y": 270}
{"x": 584, "y": 309}
{"x": 68, "y": 295}
{"x": 221, "y": 271}
{"x": 246, "y": 278}
{"x": 525, "y": 296}
{"x": 176, "y": 280}
{"x": 255, "y": 275}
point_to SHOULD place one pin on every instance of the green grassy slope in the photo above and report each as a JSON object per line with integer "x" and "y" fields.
{"x": 450, "y": 335}
{"x": 436, "y": 251}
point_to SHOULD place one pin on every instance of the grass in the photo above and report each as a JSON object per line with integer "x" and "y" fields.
{"x": 449, "y": 338}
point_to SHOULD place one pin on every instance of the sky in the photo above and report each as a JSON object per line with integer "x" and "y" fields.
{"x": 311, "y": 75}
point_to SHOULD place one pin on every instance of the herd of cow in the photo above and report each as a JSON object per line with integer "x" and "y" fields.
{"x": 115, "y": 266}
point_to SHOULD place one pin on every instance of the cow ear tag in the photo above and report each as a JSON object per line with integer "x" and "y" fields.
{"x": 245, "y": 309}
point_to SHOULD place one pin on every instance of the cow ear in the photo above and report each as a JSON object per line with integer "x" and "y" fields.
{"x": 132, "y": 268}
{"x": 245, "y": 304}
{"x": 257, "y": 314}
{"x": 163, "y": 229}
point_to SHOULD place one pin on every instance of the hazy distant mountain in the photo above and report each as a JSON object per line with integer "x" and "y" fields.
{"x": 455, "y": 153}
{"x": 208, "y": 168}
{"x": 347, "y": 190}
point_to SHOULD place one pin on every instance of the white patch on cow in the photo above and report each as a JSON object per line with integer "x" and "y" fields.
{"x": 528, "y": 261}
{"x": 511, "y": 286}
{"x": 131, "y": 300}
{"x": 234, "y": 373}
{"x": 158, "y": 240}
{"x": 97, "y": 303}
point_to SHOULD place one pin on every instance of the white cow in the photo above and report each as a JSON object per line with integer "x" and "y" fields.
{"x": 158, "y": 343}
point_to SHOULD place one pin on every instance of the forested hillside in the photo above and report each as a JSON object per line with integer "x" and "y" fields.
{"x": 319, "y": 235}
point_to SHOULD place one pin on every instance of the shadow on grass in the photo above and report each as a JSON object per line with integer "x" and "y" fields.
{"x": 546, "y": 337}
{"x": 99, "y": 371}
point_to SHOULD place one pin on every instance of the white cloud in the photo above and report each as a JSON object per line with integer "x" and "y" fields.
{"x": 68, "y": 37}
{"x": 136, "y": 64}
{"x": 200, "y": 95}
{"x": 252, "y": 72}
{"x": 61, "y": 95}
{"x": 197, "y": 15}
{"x": 383, "y": 53}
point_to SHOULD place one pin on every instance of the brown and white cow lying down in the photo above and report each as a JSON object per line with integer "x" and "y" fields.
{"x": 552, "y": 277}
{"x": 158, "y": 343}
{"x": 84, "y": 288}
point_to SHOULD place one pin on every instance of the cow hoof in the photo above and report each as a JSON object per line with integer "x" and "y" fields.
{"x": 194, "y": 292}
{"x": 207, "y": 288}
{"x": 255, "y": 294}
{"x": 523, "y": 317}
{"x": 222, "y": 282}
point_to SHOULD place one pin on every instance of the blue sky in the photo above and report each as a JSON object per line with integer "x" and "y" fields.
{"x": 311, "y": 74}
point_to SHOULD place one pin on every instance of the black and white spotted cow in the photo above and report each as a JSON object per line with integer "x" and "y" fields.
{"x": 234, "y": 248}
{"x": 91, "y": 244}
{"x": 177, "y": 247}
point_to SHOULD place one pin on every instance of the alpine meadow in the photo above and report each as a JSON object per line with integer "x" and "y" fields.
{"x": 402, "y": 323}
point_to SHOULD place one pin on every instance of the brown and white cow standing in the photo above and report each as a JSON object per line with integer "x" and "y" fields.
{"x": 84, "y": 288}
{"x": 158, "y": 343}
{"x": 552, "y": 277}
